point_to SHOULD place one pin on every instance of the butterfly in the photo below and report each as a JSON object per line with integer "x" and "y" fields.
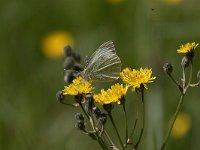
{"x": 103, "y": 64}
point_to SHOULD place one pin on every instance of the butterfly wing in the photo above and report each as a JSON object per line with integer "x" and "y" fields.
{"x": 104, "y": 64}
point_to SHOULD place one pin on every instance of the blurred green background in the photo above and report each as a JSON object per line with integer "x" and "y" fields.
{"x": 145, "y": 33}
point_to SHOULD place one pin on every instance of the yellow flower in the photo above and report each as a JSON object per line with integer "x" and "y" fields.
{"x": 53, "y": 43}
{"x": 181, "y": 126}
{"x": 78, "y": 86}
{"x": 112, "y": 95}
{"x": 187, "y": 48}
{"x": 137, "y": 78}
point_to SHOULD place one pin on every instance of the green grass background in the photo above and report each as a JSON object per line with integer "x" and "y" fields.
{"x": 145, "y": 32}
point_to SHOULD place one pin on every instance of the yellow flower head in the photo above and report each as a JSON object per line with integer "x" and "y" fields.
{"x": 78, "y": 86}
{"x": 112, "y": 95}
{"x": 137, "y": 78}
{"x": 181, "y": 126}
{"x": 187, "y": 48}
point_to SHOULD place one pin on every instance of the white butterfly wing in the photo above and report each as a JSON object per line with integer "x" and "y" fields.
{"x": 104, "y": 64}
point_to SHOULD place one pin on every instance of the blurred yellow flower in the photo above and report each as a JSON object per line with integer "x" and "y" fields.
{"x": 115, "y": 1}
{"x": 78, "y": 86}
{"x": 181, "y": 126}
{"x": 112, "y": 95}
{"x": 187, "y": 48}
{"x": 53, "y": 43}
{"x": 171, "y": 2}
{"x": 137, "y": 78}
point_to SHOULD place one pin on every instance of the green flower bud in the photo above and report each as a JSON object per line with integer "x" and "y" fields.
{"x": 68, "y": 63}
{"x": 96, "y": 111}
{"x": 78, "y": 68}
{"x": 80, "y": 125}
{"x": 77, "y": 57}
{"x": 59, "y": 96}
{"x": 168, "y": 68}
{"x": 79, "y": 116}
{"x": 67, "y": 51}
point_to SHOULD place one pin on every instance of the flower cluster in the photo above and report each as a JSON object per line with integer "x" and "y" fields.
{"x": 135, "y": 78}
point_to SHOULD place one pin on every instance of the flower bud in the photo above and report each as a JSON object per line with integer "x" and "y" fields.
{"x": 185, "y": 62}
{"x": 68, "y": 63}
{"x": 78, "y": 68}
{"x": 168, "y": 68}
{"x": 69, "y": 76}
{"x": 198, "y": 75}
{"x": 80, "y": 125}
{"x": 96, "y": 111}
{"x": 77, "y": 57}
{"x": 79, "y": 116}
{"x": 67, "y": 51}
{"x": 60, "y": 96}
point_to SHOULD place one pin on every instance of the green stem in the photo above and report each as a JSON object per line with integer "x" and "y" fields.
{"x": 113, "y": 123}
{"x": 143, "y": 121}
{"x": 190, "y": 79}
{"x": 84, "y": 111}
{"x": 176, "y": 83}
{"x": 137, "y": 116}
{"x": 104, "y": 134}
{"x": 126, "y": 125}
{"x": 172, "y": 122}
{"x": 134, "y": 127}
{"x": 183, "y": 77}
{"x": 195, "y": 84}
{"x": 109, "y": 139}
{"x": 100, "y": 138}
